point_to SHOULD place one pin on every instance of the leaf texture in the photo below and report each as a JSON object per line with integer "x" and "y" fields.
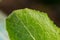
{"x": 28, "y": 24}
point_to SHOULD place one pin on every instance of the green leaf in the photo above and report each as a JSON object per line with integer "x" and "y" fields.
{"x": 28, "y": 24}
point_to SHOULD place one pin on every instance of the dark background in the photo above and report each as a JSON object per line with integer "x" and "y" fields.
{"x": 51, "y": 7}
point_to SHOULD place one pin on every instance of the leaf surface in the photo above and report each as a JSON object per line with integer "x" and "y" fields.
{"x": 28, "y": 24}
